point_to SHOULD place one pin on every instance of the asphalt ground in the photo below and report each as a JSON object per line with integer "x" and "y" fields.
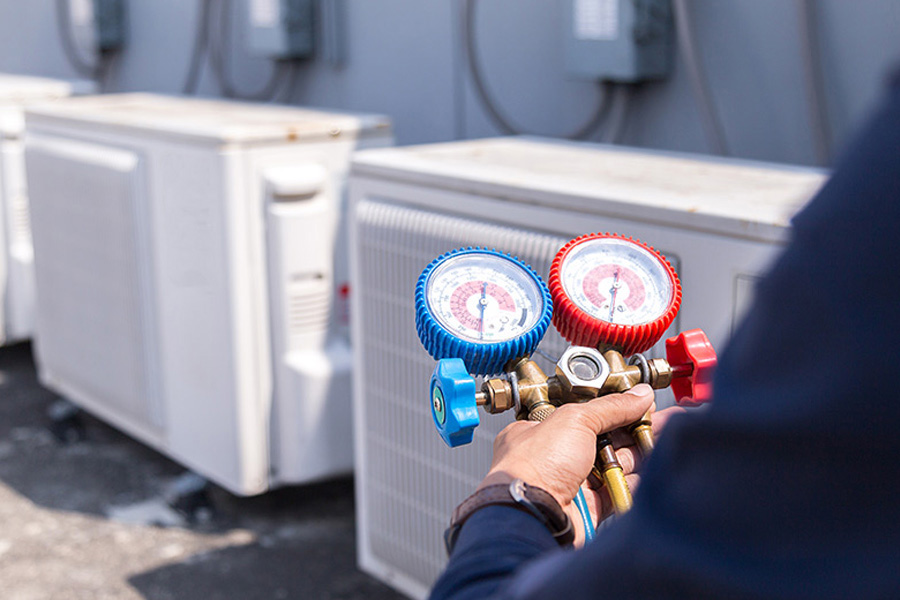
{"x": 88, "y": 519}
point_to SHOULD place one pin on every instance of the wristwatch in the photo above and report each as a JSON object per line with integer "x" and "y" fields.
{"x": 519, "y": 495}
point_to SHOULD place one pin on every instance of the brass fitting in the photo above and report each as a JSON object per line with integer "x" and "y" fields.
{"x": 582, "y": 374}
{"x": 499, "y": 395}
{"x": 532, "y": 384}
{"x": 541, "y": 413}
{"x": 609, "y": 471}
{"x": 622, "y": 377}
{"x": 660, "y": 373}
{"x": 642, "y": 432}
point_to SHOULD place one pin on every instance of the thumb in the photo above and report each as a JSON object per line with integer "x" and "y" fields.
{"x": 612, "y": 411}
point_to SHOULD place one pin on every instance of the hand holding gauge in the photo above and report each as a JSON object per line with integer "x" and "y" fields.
{"x": 481, "y": 312}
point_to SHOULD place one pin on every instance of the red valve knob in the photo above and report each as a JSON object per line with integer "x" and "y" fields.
{"x": 693, "y": 361}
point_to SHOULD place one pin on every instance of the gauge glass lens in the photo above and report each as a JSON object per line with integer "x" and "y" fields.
{"x": 484, "y": 298}
{"x": 617, "y": 281}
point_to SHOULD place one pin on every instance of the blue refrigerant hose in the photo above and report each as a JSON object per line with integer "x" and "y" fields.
{"x": 581, "y": 503}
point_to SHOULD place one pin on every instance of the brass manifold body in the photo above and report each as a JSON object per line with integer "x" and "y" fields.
{"x": 582, "y": 374}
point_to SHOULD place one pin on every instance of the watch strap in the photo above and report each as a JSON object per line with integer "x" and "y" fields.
{"x": 517, "y": 494}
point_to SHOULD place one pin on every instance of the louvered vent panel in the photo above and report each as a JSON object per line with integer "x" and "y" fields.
{"x": 309, "y": 309}
{"x": 412, "y": 479}
{"x": 21, "y": 221}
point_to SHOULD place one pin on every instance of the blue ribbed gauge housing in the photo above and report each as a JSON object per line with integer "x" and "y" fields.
{"x": 482, "y": 306}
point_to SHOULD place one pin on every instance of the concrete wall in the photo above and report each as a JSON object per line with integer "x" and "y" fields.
{"x": 404, "y": 58}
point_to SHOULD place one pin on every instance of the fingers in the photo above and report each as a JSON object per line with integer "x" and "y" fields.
{"x": 611, "y": 411}
{"x": 630, "y": 458}
{"x": 600, "y": 504}
{"x": 622, "y": 437}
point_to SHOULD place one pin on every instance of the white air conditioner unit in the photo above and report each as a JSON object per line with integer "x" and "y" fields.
{"x": 191, "y": 277}
{"x": 719, "y": 222}
{"x": 16, "y": 265}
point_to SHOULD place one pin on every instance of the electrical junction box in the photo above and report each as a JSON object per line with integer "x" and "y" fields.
{"x": 720, "y": 222}
{"x": 192, "y": 277}
{"x": 98, "y": 25}
{"x": 16, "y": 255}
{"x": 281, "y": 29}
{"x": 618, "y": 40}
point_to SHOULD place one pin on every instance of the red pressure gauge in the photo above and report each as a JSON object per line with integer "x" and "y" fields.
{"x": 612, "y": 290}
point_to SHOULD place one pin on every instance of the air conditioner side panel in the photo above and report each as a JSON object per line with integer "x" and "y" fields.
{"x": 18, "y": 301}
{"x": 214, "y": 376}
{"x": 5, "y": 193}
{"x": 93, "y": 316}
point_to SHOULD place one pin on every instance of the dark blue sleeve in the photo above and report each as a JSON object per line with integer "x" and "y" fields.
{"x": 789, "y": 486}
{"x": 492, "y": 545}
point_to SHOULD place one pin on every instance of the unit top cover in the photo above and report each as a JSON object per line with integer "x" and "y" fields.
{"x": 733, "y": 197}
{"x": 18, "y": 89}
{"x": 206, "y": 120}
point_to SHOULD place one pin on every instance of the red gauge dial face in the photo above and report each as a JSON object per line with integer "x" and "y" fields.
{"x": 614, "y": 291}
{"x": 616, "y": 288}
{"x": 617, "y": 281}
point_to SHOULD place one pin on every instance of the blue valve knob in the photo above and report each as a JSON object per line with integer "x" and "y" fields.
{"x": 453, "y": 403}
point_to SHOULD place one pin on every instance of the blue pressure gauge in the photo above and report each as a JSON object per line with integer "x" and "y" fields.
{"x": 481, "y": 306}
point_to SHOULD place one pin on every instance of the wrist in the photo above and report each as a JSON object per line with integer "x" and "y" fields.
{"x": 502, "y": 489}
{"x": 499, "y": 475}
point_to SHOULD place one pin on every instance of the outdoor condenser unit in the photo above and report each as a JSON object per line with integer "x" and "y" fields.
{"x": 719, "y": 222}
{"x": 191, "y": 277}
{"x": 16, "y": 266}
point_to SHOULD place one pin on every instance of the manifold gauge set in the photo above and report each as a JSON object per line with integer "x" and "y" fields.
{"x": 483, "y": 313}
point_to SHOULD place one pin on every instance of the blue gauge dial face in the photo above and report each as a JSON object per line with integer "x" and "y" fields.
{"x": 484, "y": 298}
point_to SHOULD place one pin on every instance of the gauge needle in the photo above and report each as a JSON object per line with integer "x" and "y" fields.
{"x": 483, "y": 303}
{"x": 613, "y": 291}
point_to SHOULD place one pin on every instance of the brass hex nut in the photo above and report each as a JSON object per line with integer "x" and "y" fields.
{"x": 499, "y": 395}
{"x": 581, "y": 372}
{"x": 660, "y": 373}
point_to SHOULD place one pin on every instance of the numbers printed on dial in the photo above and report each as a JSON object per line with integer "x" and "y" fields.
{"x": 484, "y": 298}
{"x": 617, "y": 281}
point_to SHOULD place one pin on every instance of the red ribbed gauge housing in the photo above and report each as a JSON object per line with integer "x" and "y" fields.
{"x": 612, "y": 290}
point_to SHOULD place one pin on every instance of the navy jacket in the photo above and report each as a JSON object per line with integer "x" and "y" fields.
{"x": 789, "y": 486}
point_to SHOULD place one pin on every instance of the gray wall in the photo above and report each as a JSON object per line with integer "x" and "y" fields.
{"x": 404, "y": 58}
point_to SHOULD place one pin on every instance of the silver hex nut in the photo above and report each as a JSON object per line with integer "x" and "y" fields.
{"x": 582, "y": 371}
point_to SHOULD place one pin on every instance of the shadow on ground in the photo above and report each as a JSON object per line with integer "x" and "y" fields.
{"x": 83, "y": 520}
{"x": 108, "y": 468}
{"x": 304, "y": 548}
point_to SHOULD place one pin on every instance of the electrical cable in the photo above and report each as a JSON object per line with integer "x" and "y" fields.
{"x": 459, "y": 73}
{"x": 220, "y": 63}
{"x": 104, "y": 68}
{"x": 618, "y": 114}
{"x": 503, "y": 122}
{"x": 712, "y": 124}
{"x": 64, "y": 25}
{"x": 813, "y": 81}
{"x": 201, "y": 43}
{"x": 581, "y": 504}
{"x": 286, "y": 93}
